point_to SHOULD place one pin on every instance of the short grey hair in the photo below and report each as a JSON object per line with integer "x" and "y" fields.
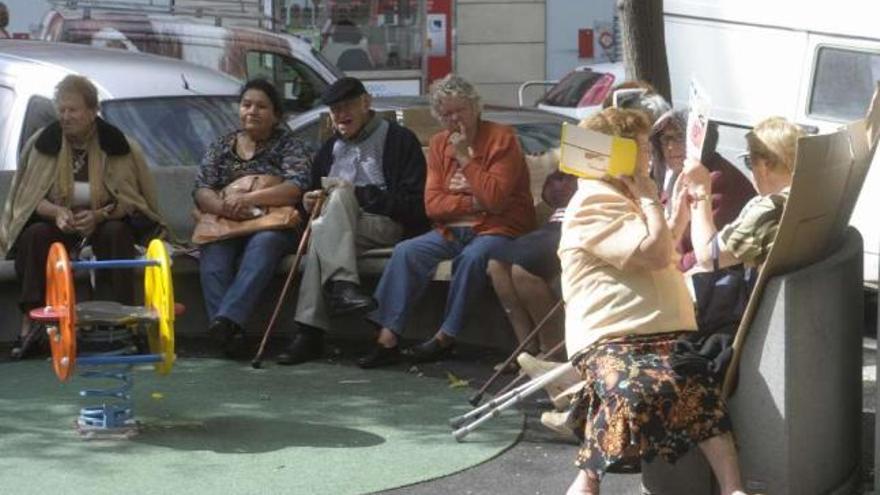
{"x": 77, "y": 84}
{"x": 453, "y": 86}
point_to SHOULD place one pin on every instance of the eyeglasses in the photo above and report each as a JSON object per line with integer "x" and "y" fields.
{"x": 670, "y": 138}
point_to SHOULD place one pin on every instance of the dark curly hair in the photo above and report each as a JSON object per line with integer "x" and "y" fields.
{"x": 269, "y": 90}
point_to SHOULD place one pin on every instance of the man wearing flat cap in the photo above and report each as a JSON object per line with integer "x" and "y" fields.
{"x": 373, "y": 172}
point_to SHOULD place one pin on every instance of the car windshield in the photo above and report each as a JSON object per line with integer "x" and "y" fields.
{"x": 538, "y": 138}
{"x": 327, "y": 63}
{"x": 174, "y": 130}
{"x": 568, "y": 91}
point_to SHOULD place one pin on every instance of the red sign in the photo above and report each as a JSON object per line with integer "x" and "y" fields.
{"x": 439, "y": 40}
{"x": 585, "y": 43}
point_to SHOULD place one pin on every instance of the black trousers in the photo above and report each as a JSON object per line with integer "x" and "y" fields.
{"x": 113, "y": 239}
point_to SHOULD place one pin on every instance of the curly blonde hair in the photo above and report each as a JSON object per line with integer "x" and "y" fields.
{"x": 618, "y": 122}
{"x": 775, "y": 140}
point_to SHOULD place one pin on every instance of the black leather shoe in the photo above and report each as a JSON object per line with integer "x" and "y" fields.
{"x": 380, "y": 356}
{"x": 307, "y": 345}
{"x": 21, "y": 347}
{"x": 344, "y": 297}
{"x": 230, "y": 335}
{"x": 429, "y": 351}
{"x": 29, "y": 344}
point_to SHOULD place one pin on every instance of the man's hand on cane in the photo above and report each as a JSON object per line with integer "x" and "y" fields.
{"x": 310, "y": 198}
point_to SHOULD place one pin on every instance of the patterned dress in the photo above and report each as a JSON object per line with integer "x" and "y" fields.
{"x": 622, "y": 322}
{"x": 282, "y": 155}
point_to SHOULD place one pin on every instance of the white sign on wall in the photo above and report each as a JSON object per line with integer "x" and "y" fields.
{"x": 394, "y": 87}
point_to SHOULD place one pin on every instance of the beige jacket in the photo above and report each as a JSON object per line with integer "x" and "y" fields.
{"x": 601, "y": 231}
{"x": 118, "y": 174}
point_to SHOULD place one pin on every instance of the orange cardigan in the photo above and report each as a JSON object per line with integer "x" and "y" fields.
{"x": 498, "y": 175}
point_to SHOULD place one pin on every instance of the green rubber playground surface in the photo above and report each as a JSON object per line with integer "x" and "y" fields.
{"x": 220, "y": 427}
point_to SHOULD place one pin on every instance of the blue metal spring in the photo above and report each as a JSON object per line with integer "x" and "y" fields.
{"x": 117, "y": 411}
{"x": 116, "y": 414}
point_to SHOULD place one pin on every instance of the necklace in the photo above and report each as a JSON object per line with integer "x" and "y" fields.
{"x": 80, "y": 158}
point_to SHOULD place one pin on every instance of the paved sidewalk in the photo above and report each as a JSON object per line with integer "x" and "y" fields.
{"x": 542, "y": 462}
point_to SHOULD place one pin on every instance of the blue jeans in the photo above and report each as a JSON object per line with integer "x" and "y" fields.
{"x": 235, "y": 271}
{"x": 412, "y": 266}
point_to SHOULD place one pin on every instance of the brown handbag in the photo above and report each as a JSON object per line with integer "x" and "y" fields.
{"x": 211, "y": 227}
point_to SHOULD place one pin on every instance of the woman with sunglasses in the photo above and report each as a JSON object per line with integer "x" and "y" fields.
{"x": 772, "y": 146}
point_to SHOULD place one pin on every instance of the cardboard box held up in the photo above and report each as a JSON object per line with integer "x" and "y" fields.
{"x": 592, "y": 155}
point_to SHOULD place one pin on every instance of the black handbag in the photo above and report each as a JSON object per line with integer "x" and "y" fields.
{"x": 722, "y": 296}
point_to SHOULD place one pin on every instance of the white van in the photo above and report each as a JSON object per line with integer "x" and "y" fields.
{"x": 296, "y": 68}
{"x": 815, "y": 63}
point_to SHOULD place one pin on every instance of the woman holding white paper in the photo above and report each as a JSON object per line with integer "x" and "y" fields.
{"x": 731, "y": 190}
{"x": 626, "y": 304}
{"x": 772, "y": 146}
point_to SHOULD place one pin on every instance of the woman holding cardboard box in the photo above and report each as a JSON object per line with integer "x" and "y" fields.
{"x": 626, "y": 304}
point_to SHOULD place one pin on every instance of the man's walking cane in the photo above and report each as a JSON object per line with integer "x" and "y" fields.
{"x": 477, "y": 397}
{"x": 257, "y": 362}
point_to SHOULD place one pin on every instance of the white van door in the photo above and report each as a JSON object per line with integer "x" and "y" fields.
{"x": 840, "y": 75}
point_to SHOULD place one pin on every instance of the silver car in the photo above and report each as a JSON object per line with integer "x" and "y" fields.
{"x": 174, "y": 109}
{"x": 538, "y": 131}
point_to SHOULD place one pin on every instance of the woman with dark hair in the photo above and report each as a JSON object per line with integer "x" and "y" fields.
{"x": 731, "y": 190}
{"x": 235, "y": 271}
{"x": 80, "y": 181}
{"x": 626, "y": 304}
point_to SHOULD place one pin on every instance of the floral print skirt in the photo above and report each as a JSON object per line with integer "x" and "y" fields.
{"x": 634, "y": 406}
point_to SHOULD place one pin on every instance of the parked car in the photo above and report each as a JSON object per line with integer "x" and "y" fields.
{"x": 580, "y": 93}
{"x": 299, "y": 70}
{"x": 174, "y": 109}
{"x": 538, "y": 131}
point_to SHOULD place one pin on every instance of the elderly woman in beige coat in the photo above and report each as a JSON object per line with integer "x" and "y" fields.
{"x": 626, "y": 304}
{"x": 80, "y": 181}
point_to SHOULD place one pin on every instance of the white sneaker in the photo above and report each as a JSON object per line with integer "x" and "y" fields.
{"x": 556, "y": 421}
{"x": 562, "y": 400}
{"x": 535, "y": 367}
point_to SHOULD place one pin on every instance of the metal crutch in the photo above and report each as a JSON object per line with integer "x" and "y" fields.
{"x": 499, "y": 404}
{"x": 477, "y": 397}
{"x": 521, "y": 376}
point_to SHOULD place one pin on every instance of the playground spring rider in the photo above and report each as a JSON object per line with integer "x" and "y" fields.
{"x": 117, "y": 329}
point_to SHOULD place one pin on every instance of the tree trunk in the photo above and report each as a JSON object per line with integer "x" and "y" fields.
{"x": 644, "y": 43}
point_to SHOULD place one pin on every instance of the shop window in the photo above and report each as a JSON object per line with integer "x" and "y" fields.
{"x": 361, "y": 34}
{"x": 299, "y": 85}
{"x": 843, "y": 82}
